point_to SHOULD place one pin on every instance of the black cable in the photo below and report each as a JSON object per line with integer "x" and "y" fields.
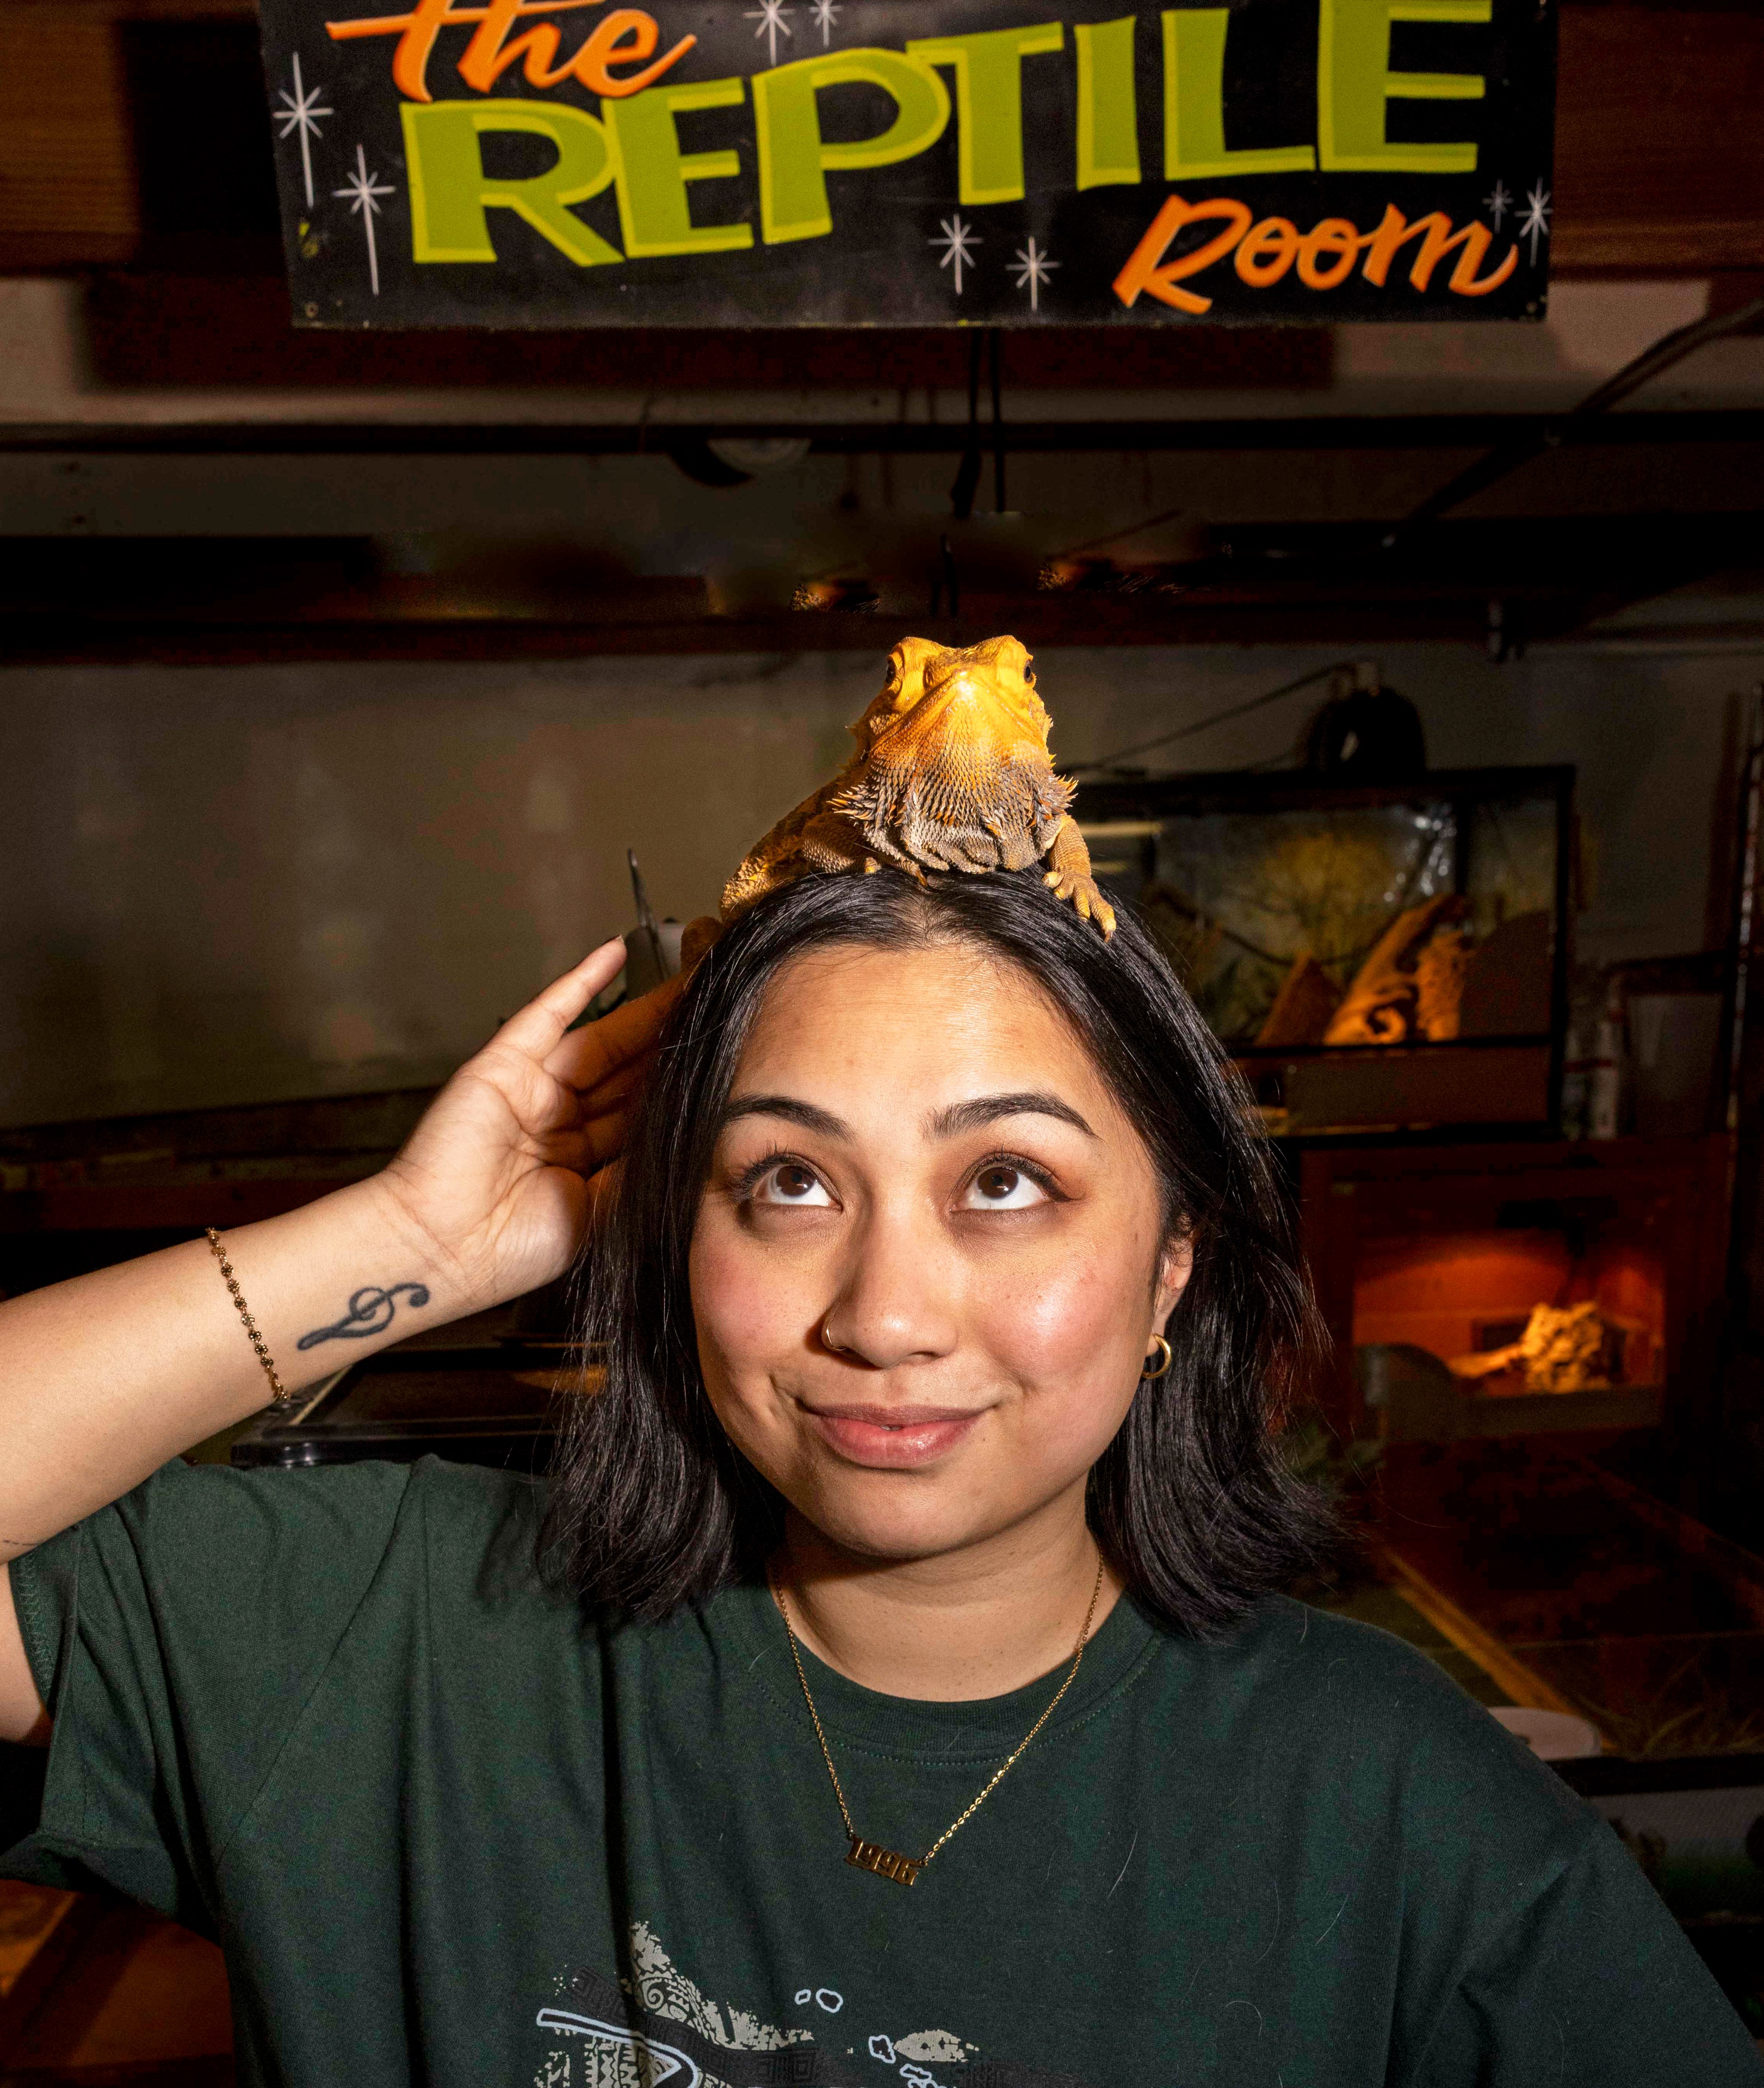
{"x": 1218, "y": 717}
{"x": 1500, "y": 463}
{"x": 1128, "y": 529}
{"x": 967, "y": 479}
{"x": 995, "y": 342}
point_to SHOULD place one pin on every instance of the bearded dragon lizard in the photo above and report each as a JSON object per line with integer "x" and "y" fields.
{"x": 952, "y": 772}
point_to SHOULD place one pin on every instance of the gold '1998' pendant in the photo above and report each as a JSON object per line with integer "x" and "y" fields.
{"x": 872, "y": 1856}
{"x": 885, "y": 1863}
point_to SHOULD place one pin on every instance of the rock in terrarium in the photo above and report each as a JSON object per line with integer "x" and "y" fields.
{"x": 1563, "y": 1349}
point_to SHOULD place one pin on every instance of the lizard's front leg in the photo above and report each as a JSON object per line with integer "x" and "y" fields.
{"x": 1068, "y": 874}
{"x": 831, "y": 843}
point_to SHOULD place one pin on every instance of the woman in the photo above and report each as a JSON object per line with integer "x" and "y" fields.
{"x": 905, "y": 1696}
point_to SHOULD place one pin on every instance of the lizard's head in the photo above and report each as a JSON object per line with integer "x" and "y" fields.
{"x": 940, "y": 700}
{"x": 955, "y": 771}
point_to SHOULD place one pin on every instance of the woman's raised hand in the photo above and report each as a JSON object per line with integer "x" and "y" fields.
{"x": 502, "y": 1172}
{"x": 488, "y": 1200}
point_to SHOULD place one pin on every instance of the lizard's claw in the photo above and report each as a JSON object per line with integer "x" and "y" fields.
{"x": 1085, "y": 894}
{"x": 696, "y": 938}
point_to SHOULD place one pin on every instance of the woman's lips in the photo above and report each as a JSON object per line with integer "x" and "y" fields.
{"x": 892, "y": 1438}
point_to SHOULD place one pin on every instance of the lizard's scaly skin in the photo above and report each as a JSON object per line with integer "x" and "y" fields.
{"x": 952, "y": 772}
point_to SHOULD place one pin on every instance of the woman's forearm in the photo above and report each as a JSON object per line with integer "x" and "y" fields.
{"x": 103, "y": 1378}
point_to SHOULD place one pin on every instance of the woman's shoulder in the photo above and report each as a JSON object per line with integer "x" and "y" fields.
{"x": 1295, "y": 1638}
{"x": 254, "y": 1580}
{"x": 1321, "y": 1699}
{"x": 1380, "y": 1795}
{"x": 232, "y": 1542}
{"x": 1297, "y": 1647}
{"x": 472, "y": 1528}
{"x": 370, "y": 1496}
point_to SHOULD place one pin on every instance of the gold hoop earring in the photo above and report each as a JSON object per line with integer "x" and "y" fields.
{"x": 1164, "y": 1361}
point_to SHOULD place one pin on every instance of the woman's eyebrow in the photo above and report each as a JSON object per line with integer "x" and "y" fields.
{"x": 787, "y": 1106}
{"x": 987, "y": 1109}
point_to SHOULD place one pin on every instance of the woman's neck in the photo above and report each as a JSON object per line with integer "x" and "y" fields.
{"x": 953, "y": 1628}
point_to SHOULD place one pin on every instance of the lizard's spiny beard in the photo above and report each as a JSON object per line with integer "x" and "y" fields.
{"x": 939, "y": 789}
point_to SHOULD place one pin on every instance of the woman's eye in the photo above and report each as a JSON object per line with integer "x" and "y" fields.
{"x": 791, "y": 1183}
{"x": 1000, "y": 1187}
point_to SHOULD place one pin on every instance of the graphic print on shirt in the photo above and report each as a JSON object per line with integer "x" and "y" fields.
{"x": 658, "y": 2029}
{"x": 614, "y": 2053}
{"x": 663, "y": 1989}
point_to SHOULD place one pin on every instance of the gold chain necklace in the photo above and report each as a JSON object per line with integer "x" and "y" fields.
{"x": 871, "y": 1855}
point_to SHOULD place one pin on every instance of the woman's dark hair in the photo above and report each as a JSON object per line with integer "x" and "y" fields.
{"x": 651, "y": 1506}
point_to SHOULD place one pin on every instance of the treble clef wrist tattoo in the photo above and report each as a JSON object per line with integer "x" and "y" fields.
{"x": 370, "y": 1311}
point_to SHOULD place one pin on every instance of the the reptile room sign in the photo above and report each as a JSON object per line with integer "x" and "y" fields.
{"x": 522, "y": 163}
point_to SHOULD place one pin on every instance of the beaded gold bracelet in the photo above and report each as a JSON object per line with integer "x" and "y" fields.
{"x": 255, "y": 1338}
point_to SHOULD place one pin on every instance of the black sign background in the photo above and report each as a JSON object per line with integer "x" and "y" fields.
{"x": 887, "y": 260}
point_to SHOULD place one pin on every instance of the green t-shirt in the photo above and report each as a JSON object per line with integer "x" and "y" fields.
{"x": 451, "y": 1827}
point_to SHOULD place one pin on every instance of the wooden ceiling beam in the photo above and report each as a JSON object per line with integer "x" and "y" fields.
{"x": 1659, "y": 140}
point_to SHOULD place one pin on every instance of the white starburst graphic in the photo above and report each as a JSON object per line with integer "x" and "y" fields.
{"x": 364, "y": 190}
{"x": 958, "y": 242}
{"x": 300, "y": 111}
{"x": 826, "y": 17}
{"x": 1498, "y": 202}
{"x": 770, "y": 15}
{"x": 1033, "y": 269}
{"x": 1535, "y": 224}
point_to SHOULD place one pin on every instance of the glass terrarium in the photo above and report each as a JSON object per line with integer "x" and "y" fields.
{"x": 1387, "y": 955}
